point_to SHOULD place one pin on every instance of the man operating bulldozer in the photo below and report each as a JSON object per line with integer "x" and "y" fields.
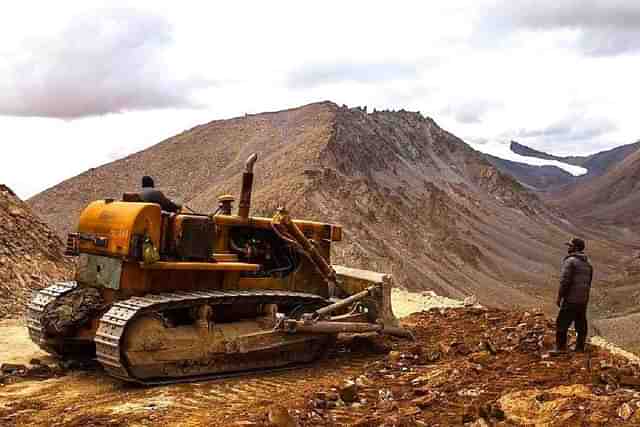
{"x": 573, "y": 296}
{"x": 150, "y": 195}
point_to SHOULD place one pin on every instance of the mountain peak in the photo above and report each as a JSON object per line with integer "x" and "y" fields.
{"x": 523, "y": 150}
{"x": 413, "y": 198}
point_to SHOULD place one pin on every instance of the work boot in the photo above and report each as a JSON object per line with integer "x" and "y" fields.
{"x": 561, "y": 343}
{"x": 558, "y": 351}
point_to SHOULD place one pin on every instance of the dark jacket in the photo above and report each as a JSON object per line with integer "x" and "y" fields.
{"x": 575, "y": 279}
{"x": 151, "y": 195}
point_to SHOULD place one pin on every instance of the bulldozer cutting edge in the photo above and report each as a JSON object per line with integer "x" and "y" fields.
{"x": 186, "y": 296}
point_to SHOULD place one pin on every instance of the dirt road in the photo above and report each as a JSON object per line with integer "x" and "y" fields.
{"x": 91, "y": 398}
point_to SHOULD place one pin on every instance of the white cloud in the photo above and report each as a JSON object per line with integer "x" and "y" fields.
{"x": 102, "y": 62}
{"x": 322, "y": 74}
{"x": 603, "y": 27}
{"x": 529, "y": 73}
{"x": 575, "y": 129}
{"x": 472, "y": 110}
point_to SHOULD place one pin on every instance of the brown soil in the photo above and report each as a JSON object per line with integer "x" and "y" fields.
{"x": 484, "y": 367}
{"x": 30, "y": 254}
{"x": 90, "y": 398}
{"x": 467, "y": 364}
{"x": 15, "y": 345}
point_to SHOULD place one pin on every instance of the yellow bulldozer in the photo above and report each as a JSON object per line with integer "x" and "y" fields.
{"x": 162, "y": 297}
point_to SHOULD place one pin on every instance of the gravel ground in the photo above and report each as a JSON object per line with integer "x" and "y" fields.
{"x": 405, "y": 302}
{"x": 603, "y": 343}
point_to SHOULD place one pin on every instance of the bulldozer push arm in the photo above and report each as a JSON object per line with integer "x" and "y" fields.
{"x": 289, "y": 231}
{"x": 320, "y": 320}
{"x": 359, "y": 286}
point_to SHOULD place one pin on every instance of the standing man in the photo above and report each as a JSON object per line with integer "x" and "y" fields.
{"x": 573, "y": 296}
{"x": 150, "y": 195}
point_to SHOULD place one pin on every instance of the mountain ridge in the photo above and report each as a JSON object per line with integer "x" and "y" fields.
{"x": 609, "y": 199}
{"x": 415, "y": 200}
{"x": 533, "y": 177}
{"x": 597, "y": 163}
{"x": 550, "y": 179}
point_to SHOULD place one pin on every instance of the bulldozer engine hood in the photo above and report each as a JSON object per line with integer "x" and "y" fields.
{"x": 113, "y": 228}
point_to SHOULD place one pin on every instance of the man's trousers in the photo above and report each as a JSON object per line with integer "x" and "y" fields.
{"x": 571, "y": 313}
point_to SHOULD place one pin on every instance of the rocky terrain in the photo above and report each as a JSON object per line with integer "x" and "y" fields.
{"x": 468, "y": 366}
{"x": 415, "y": 200}
{"x": 31, "y": 254}
{"x": 493, "y": 368}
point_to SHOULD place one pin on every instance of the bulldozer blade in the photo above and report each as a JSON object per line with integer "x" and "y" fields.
{"x": 354, "y": 281}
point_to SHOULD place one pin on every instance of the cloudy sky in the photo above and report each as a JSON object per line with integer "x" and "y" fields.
{"x": 83, "y": 83}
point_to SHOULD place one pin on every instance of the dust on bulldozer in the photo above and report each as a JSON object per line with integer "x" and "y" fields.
{"x": 163, "y": 297}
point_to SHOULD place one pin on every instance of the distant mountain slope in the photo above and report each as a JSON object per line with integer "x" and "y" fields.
{"x": 596, "y": 164}
{"x": 415, "y": 200}
{"x": 523, "y": 150}
{"x": 532, "y": 176}
{"x": 610, "y": 199}
{"x": 30, "y": 253}
{"x": 551, "y": 178}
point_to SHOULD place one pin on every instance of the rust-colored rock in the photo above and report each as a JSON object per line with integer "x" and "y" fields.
{"x": 31, "y": 254}
{"x": 424, "y": 401}
{"x": 394, "y": 356}
{"x": 279, "y": 416}
{"x": 482, "y": 357}
{"x": 520, "y": 388}
{"x": 630, "y": 380}
{"x": 625, "y": 411}
{"x": 348, "y": 391}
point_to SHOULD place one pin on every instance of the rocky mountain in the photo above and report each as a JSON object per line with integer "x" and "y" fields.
{"x": 30, "y": 253}
{"x": 415, "y": 200}
{"x": 610, "y": 199}
{"x": 597, "y": 164}
{"x": 551, "y": 178}
{"x": 537, "y": 178}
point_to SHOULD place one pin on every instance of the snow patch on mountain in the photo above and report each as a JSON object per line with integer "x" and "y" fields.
{"x": 503, "y": 151}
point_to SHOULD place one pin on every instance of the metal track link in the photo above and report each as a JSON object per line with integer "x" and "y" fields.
{"x": 113, "y": 323}
{"x": 37, "y": 304}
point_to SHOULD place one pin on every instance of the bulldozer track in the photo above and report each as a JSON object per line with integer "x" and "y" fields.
{"x": 36, "y": 307}
{"x": 113, "y": 325}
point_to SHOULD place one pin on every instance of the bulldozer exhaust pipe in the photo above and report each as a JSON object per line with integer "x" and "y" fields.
{"x": 247, "y": 185}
